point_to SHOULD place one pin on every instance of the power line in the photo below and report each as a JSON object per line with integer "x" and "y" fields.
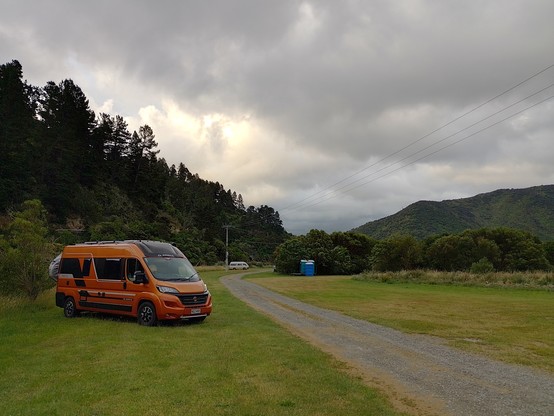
{"x": 300, "y": 204}
{"x": 436, "y": 151}
{"x": 304, "y": 203}
{"x": 332, "y": 192}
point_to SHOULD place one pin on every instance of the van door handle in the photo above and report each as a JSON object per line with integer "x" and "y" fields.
{"x": 124, "y": 285}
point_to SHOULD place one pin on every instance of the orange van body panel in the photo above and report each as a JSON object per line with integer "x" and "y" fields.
{"x": 122, "y": 296}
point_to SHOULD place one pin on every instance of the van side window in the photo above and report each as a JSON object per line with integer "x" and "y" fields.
{"x": 133, "y": 265}
{"x": 111, "y": 269}
{"x": 71, "y": 267}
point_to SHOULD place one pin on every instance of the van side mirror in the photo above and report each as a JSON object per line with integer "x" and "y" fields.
{"x": 140, "y": 277}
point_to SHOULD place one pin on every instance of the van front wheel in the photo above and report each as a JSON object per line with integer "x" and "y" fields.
{"x": 69, "y": 308}
{"x": 146, "y": 314}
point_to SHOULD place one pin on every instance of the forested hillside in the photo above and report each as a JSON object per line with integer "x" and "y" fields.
{"x": 100, "y": 181}
{"x": 530, "y": 209}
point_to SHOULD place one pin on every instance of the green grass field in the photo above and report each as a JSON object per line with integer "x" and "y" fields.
{"x": 237, "y": 362}
{"x": 513, "y": 325}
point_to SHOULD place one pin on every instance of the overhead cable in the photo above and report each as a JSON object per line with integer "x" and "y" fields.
{"x": 308, "y": 201}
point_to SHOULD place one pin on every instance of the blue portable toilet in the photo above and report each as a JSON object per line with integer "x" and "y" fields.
{"x": 303, "y": 267}
{"x": 310, "y": 268}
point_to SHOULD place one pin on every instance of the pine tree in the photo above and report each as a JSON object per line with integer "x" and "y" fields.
{"x": 69, "y": 153}
{"x": 17, "y": 126}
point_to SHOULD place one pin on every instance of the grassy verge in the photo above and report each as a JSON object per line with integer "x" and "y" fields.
{"x": 513, "y": 325}
{"x": 517, "y": 280}
{"x": 236, "y": 363}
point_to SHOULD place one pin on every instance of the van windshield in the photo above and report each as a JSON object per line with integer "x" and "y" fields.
{"x": 172, "y": 269}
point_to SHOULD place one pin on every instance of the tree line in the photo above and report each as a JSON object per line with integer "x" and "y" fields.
{"x": 97, "y": 180}
{"x": 479, "y": 251}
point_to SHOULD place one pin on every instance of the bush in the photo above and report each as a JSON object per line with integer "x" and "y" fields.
{"x": 483, "y": 266}
{"x": 26, "y": 253}
{"x": 398, "y": 252}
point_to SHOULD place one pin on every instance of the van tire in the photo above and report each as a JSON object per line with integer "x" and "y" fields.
{"x": 69, "y": 308}
{"x": 147, "y": 314}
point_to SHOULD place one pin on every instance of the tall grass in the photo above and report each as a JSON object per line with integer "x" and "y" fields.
{"x": 237, "y": 362}
{"x": 522, "y": 280}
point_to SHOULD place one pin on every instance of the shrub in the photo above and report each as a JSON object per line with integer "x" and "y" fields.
{"x": 483, "y": 266}
{"x": 26, "y": 253}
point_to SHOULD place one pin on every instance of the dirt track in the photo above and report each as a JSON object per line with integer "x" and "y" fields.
{"x": 418, "y": 373}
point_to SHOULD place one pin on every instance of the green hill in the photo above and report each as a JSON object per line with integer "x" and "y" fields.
{"x": 529, "y": 209}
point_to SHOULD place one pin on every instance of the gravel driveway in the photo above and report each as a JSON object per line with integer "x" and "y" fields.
{"x": 420, "y": 374}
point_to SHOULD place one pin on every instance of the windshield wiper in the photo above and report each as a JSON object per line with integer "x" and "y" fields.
{"x": 179, "y": 279}
{"x": 192, "y": 275}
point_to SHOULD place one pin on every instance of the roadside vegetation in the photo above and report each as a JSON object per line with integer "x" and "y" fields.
{"x": 514, "y": 325}
{"x": 521, "y": 280}
{"x": 237, "y": 362}
{"x": 479, "y": 251}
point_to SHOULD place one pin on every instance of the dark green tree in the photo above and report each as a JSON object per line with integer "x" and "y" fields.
{"x": 359, "y": 247}
{"x": 320, "y": 246}
{"x": 519, "y": 250}
{"x": 113, "y": 133}
{"x": 289, "y": 254}
{"x": 142, "y": 151}
{"x": 69, "y": 154}
{"x": 451, "y": 253}
{"x": 17, "y": 129}
{"x": 398, "y": 252}
{"x": 549, "y": 252}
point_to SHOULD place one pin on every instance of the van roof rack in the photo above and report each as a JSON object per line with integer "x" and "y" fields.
{"x": 104, "y": 242}
{"x": 148, "y": 247}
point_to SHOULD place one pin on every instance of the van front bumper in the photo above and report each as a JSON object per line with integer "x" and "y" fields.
{"x": 173, "y": 307}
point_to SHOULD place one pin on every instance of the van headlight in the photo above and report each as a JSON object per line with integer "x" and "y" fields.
{"x": 167, "y": 289}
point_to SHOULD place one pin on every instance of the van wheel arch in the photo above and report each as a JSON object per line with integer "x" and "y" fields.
{"x": 146, "y": 314}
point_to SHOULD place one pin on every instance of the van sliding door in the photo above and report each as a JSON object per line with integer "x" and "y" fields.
{"x": 110, "y": 293}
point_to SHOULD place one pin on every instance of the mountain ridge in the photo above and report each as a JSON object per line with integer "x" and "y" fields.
{"x": 528, "y": 209}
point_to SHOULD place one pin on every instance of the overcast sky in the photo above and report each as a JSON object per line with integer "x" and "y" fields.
{"x": 335, "y": 113}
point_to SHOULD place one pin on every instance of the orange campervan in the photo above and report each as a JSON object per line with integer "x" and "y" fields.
{"x": 149, "y": 280}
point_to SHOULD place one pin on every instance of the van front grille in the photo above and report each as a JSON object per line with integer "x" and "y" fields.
{"x": 193, "y": 299}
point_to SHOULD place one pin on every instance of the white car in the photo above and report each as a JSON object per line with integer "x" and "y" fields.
{"x": 238, "y": 265}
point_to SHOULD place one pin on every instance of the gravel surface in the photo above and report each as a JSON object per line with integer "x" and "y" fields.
{"x": 419, "y": 373}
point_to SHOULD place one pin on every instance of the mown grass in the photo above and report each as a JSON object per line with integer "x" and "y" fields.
{"x": 237, "y": 362}
{"x": 512, "y": 325}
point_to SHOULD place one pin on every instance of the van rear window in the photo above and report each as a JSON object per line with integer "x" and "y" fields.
{"x": 71, "y": 267}
{"x": 111, "y": 269}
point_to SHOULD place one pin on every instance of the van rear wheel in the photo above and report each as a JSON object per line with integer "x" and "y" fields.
{"x": 147, "y": 314}
{"x": 69, "y": 308}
